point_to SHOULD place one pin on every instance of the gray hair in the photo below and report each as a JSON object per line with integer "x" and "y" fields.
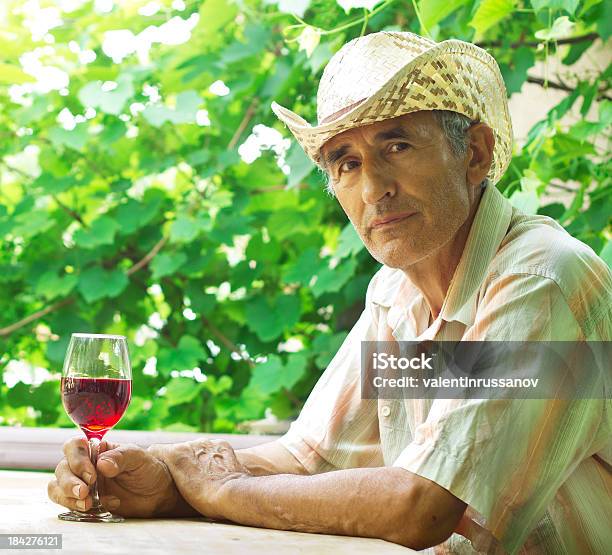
{"x": 453, "y": 124}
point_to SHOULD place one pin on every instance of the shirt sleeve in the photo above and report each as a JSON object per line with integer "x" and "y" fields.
{"x": 336, "y": 428}
{"x": 507, "y": 458}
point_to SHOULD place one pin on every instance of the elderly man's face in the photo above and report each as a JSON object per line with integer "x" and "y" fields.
{"x": 400, "y": 185}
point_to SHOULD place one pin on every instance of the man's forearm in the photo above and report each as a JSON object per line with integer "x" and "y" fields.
{"x": 368, "y": 502}
{"x": 386, "y": 502}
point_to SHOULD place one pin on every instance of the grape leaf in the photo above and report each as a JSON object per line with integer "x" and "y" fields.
{"x": 75, "y": 138}
{"x": 101, "y": 232}
{"x": 96, "y": 283}
{"x": 112, "y": 101}
{"x": 349, "y": 242}
{"x": 273, "y": 375}
{"x": 166, "y": 264}
{"x": 182, "y": 390}
{"x": 268, "y": 318}
{"x": 333, "y": 279}
{"x": 185, "y": 356}
{"x": 50, "y": 285}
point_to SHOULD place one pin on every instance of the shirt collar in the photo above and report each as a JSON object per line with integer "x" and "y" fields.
{"x": 488, "y": 229}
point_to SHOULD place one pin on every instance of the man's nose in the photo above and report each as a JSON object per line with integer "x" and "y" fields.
{"x": 378, "y": 182}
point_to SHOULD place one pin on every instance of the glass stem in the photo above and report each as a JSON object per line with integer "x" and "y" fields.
{"x": 94, "y": 447}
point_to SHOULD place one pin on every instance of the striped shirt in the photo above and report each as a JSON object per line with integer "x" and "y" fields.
{"x": 536, "y": 474}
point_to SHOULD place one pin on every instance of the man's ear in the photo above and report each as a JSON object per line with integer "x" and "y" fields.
{"x": 480, "y": 153}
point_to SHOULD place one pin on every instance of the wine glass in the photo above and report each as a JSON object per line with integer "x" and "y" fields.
{"x": 96, "y": 389}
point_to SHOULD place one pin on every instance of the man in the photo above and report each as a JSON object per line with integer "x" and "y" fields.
{"x": 413, "y": 148}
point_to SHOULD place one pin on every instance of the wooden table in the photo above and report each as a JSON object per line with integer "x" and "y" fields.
{"x": 25, "y": 509}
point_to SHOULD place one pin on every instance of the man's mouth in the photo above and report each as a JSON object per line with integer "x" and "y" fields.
{"x": 390, "y": 220}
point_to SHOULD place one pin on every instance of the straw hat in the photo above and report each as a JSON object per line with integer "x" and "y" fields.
{"x": 387, "y": 74}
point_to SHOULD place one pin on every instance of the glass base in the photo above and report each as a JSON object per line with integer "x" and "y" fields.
{"x": 93, "y": 515}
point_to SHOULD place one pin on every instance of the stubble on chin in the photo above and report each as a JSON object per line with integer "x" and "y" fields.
{"x": 395, "y": 251}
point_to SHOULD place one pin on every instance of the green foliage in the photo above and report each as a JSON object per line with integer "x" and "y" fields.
{"x": 125, "y": 206}
{"x": 272, "y": 375}
{"x": 96, "y": 283}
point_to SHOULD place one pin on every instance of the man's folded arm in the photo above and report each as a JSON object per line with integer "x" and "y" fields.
{"x": 387, "y": 503}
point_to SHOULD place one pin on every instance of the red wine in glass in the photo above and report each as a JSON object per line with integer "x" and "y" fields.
{"x": 96, "y": 387}
{"x": 95, "y": 404}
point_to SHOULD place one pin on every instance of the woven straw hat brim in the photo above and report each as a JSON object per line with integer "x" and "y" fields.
{"x": 451, "y": 75}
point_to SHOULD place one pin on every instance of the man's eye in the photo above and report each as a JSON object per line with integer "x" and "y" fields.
{"x": 344, "y": 167}
{"x": 403, "y": 146}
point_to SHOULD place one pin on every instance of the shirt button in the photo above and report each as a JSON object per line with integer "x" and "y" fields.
{"x": 385, "y": 411}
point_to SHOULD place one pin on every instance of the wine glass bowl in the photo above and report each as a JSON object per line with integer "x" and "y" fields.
{"x": 96, "y": 388}
{"x": 95, "y": 404}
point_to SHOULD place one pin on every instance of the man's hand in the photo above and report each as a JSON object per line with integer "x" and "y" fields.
{"x": 131, "y": 481}
{"x": 200, "y": 468}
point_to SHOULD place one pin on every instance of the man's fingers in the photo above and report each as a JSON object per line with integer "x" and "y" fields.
{"x": 77, "y": 455}
{"x": 124, "y": 458}
{"x": 57, "y": 496}
{"x": 68, "y": 483}
{"x": 106, "y": 445}
{"x": 110, "y": 502}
